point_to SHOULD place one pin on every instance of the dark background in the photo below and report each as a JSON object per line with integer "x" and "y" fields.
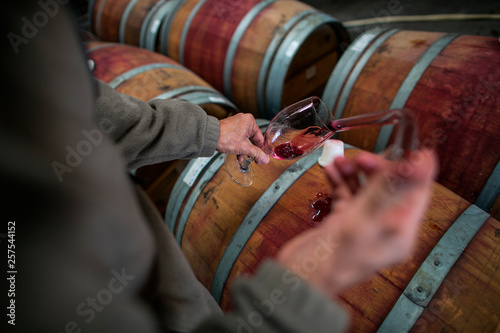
{"x": 388, "y": 10}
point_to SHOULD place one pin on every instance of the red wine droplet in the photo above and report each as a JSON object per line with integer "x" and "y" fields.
{"x": 287, "y": 150}
{"x": 322, "y": 206}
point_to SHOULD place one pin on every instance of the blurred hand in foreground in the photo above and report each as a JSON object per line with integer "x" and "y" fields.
{"x": 373, "y": 224}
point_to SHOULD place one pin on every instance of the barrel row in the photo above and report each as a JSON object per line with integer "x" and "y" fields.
{"x": 263, "y": 55}
{"x": 226, "y": 231}
{"x": 449, "y": 81}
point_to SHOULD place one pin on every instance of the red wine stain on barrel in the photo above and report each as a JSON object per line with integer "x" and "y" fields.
{"x": 321, "y": 205}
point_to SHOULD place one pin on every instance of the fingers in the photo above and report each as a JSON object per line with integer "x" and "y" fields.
{"x": 341, "y": 188}
{"x": 254, "y": 133}
{"x": 240, "y": 135}
{"x": 401, "y": 189}
{"x": 349, "y": 175}
{"x": 368, "y": 163}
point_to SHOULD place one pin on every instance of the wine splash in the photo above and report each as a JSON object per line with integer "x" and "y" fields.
{"x": 322, "y": 205}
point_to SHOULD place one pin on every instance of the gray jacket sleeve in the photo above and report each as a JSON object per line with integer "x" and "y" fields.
{"x": 157, "y": 131}
{"x": 84, "y": 236}
{"x": 275, "y": 300}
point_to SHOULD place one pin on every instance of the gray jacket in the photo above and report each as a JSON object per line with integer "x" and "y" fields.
{"x": 91, "y": 252}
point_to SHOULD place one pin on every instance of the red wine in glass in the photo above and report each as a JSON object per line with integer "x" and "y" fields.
{"x": 303, "y": 127}
{"x": 301, "y": 143}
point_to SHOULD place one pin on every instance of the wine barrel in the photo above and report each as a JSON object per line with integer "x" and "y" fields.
{"x": 263, "y": 55}
{"x": 451, "y": 82}
{"x": 225, "y": 230}
{"x": 149, "y": 75}
{"x": 127, "y": 21}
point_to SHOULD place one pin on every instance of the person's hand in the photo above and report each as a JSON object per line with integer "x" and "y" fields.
{"x": 373, "y": 224}
{"x": 240, "y": 135}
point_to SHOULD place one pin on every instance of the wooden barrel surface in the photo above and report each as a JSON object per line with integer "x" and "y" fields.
{"x": 226, "y": 230}
{"x": 263, "y": 55}
{"x": 452, "y": 84}
{"x": 149, "y": 75}
{"x": 134, "y": 22}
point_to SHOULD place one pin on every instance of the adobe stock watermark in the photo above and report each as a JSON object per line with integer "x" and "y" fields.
{"x": 230, "y": 10}
{"x": 381, "y": 18}
{"x": 87, "y": 309}
{"x": 451, "y": 288}
{"x": 464, "y": 106}
{"x": 266, "y": 308}
{"x": 33, "y": 23}
{"x": 75, "y": 155}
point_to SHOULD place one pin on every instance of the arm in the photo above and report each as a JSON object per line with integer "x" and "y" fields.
{"x": 148, "y": 133}
{"x": 158, "y": 131}
{"x": 276, "y": 300}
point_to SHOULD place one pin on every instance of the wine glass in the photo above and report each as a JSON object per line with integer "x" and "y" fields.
{"x": 304, "y": 126}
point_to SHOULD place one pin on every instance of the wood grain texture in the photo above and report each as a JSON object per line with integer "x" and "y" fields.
{"x": 136, "y": 19}
{"x": 208, "y": 39}
{"x": 252, "y": 50}
{"x": 468, "y": 299}
{"x": 116, "y": 59}
{"x": 209, "y": 36}
{"x": 111, "y": 15}
{"x": 455, "y": 102}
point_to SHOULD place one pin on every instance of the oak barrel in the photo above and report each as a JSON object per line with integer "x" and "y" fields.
{"x": 452, "y": 84}
{"x": 263, "y": 55}
{"x": 134, "y": 22}
{"x": 226, "y": 230}
{"x": 149, "y": 75}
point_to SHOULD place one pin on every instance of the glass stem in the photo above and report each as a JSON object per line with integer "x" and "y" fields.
{"x": 244, "y": 165}
{"x": 405, "y": 140}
